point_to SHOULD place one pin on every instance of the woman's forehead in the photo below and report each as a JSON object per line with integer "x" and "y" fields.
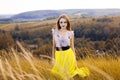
{"x": 62, "y": 19}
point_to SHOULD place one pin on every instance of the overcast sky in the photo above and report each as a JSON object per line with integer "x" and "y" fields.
{"x": 18, "y": 6}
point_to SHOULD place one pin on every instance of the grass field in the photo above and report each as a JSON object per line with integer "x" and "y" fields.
{"x": 23, "y": 66}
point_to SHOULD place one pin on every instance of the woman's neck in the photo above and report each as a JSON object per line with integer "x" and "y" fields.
{"x": 63, "y": 30}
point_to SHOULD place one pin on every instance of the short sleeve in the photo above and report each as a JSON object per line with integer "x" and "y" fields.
{"x": 52, "y": 31}
{"x": 71, "y": 33}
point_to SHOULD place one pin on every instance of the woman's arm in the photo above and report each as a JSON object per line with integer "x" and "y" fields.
{"x": 72, "y": 46}
{"x": 72, "y": 43}
{"x": 53, "y": 51}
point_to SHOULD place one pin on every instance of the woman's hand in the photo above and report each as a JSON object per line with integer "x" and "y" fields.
{"x": 53, "y": 61}
{"x": 76, "y": 63}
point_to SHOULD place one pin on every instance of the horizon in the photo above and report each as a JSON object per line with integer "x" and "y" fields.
{"x": 19, "y": 6}
{"x": 59, "y": 9}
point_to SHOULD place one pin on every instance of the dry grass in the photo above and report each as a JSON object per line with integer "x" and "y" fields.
{"x": 24, "y": 66}
{"x": 26, "y": 25}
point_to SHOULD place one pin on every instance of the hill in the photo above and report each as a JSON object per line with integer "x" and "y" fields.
{"x": 52, "y": 14}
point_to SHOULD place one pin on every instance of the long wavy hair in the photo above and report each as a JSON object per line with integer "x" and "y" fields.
{"x": 67, "y": 19}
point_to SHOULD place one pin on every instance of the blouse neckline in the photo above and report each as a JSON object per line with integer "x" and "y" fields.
{"x": 62, "y": 36}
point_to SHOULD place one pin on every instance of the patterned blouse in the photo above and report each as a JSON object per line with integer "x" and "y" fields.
{"x": 62, "y": 41}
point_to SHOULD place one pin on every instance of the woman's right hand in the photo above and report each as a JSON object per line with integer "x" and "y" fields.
{"x": 53, "y": 61}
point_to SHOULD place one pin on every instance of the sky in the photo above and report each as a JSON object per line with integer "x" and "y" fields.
{"x": 19, "y": 6}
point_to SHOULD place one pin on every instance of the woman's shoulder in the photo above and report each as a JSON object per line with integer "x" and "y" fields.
{"x": 71, "y": 32}
{"x": 54, "y": 31}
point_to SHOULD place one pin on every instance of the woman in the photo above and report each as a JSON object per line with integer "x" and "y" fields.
{"x": 65, "y": 63}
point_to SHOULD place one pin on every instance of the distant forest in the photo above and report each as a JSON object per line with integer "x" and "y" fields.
{"x": 91, "y": 34}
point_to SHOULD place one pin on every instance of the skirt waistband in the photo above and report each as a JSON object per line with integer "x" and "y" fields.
{"x": 62, "y": 48}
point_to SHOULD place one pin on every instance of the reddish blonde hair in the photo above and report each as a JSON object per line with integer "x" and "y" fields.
{"x": 67, "y": 19}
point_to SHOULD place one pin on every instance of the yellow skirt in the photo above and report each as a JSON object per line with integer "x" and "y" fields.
{"x": 66, "y": 65}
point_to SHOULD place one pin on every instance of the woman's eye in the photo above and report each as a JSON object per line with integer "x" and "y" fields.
{"x": 63, "y": 22}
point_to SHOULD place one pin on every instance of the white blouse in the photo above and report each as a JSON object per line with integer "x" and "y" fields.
{"x": 62, "y": 41}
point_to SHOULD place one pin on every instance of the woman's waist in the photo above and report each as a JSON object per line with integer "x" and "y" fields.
{"x": 62, "y": 48}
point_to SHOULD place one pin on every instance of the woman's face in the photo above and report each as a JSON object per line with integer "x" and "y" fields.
{"x": 63, "y": 23}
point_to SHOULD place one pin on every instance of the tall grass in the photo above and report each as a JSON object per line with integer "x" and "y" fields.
{"x": 24, "y": 66}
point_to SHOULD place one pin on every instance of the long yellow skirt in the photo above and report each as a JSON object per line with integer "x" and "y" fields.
{"x": 66, "y": 65}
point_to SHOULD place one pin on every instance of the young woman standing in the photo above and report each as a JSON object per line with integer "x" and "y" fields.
{"x": 63, "y": 51}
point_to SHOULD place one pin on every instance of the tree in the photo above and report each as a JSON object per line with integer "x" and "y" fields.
{"x": 6, "y": 40}
{"x": 17, "y": 28}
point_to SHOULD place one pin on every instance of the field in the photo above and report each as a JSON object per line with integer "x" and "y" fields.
{"x": 21, "y": 62}
{"x": 24, "y": 66}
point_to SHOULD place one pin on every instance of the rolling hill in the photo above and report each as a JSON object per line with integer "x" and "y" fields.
{"x": 51, "y": 14}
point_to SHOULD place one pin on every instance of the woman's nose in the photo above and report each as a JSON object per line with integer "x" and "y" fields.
{"x": 63, "y": 23}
